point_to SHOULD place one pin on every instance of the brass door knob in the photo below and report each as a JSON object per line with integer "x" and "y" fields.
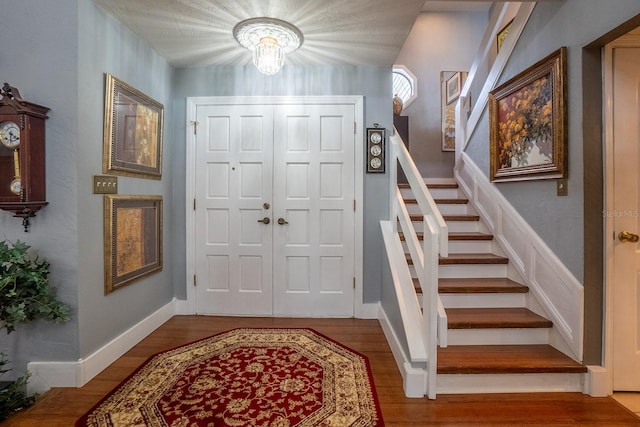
{"x": 625, "y": 236}
{"x": 265, "y": 220}
{"x": 282, "y": 221}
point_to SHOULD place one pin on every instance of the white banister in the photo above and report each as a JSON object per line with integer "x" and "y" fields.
{"x": 419, "y": 318}
{"x": 418, "y": 187}
{"x": 467, "y": 118}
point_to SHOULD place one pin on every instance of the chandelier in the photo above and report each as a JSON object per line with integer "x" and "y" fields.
{"x": 269, "y": 39}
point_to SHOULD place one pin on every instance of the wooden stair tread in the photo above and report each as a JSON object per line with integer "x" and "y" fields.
{"x": 457, "y": 236}
{"x": 470, "y": 235}
{"x": 466, "y": 259}
{"x": 432, "y": 185}
{"x": 458, "y": 259}
{"x": 492, "y": 318}
{"x": 480, "y": 286}
{"x": 409, "y": 201}
{"x": 418, "y": 217}
{"x": 505, "y": 359}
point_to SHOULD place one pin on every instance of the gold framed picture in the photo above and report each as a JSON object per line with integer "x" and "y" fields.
{"x": 133, "y": 128}
{"x": 132, "y": 239}
{"x": 450, "y": 84}
{"x": 528, "y": 123}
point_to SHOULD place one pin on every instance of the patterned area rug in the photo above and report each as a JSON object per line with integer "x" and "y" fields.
{"x": 246, "y": 377}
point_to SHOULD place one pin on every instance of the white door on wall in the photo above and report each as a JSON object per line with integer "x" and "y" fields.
{"x": 274, "y": 220}
{"x": 625, "y": 217}
{"x": 233, "y": 175}
{"x": 314, "y": 210}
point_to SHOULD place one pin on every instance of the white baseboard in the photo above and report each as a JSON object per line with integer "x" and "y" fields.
{"x": 414, "y": 380}
{"x": 597, "y": 382}
{"x": 45, "y": 375}
{"x": 368, "y": 311}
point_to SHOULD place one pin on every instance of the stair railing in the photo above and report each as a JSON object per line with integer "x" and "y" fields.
{"x": 486, "y": 70}
{"x": 421, "y": 325}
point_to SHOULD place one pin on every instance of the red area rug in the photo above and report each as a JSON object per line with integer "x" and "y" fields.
{"x": 246, "y": 377}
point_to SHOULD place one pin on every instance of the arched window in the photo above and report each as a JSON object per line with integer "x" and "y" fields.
{"x": 405, "y": 84}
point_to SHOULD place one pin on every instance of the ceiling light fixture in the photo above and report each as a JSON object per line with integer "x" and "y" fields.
{"x": 269, "y": 39}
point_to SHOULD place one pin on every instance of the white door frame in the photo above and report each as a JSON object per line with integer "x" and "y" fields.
{"x": 629, "y": 41}
{"x": 192, "y": 105}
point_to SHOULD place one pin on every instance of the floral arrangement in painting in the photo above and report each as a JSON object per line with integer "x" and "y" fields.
{"x": 525, "y": 126}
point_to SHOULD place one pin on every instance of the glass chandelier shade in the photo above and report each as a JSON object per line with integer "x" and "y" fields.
{"x": 269, "y": 39}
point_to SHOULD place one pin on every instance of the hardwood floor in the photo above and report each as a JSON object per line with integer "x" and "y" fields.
{"x": 60, "y": 407}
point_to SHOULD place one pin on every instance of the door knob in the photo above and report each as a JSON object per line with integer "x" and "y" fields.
{"x": 265, "y": 220}
{"x": 625, "y": 236}
{"x": 282, "y": 221}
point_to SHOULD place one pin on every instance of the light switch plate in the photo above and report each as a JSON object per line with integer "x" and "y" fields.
{"x": 103, "y": 184}
{"x": 562, "y": 187}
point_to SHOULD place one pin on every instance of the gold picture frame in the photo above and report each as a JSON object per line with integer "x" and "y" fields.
{"x": 132, "y": 239}
{"x": 448, "y": 109}
{"x": 133, "y": 131}
{"x": 528, "y": 123}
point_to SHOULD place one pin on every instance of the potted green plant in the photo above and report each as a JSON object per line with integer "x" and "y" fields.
{"x": 25, "y": 295}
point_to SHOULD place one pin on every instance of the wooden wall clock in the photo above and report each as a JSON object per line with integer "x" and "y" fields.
{"x": 22, "y": 155}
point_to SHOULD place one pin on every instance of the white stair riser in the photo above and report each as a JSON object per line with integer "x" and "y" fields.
{"x": 456, "y": 226}
{"x": 470, "y": 246}
{"x": 471, "y": 271}
{"x": 499, "y": 336}
{"x": 508, "y": 383}
{"x": 436, "y": 193}
{"x": 483, "y": 300}
{"x": 445, "y": 209}
{"x": 462, "y": 247}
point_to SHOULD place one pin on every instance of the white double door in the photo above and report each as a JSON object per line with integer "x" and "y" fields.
{"x": 274, "y": 221}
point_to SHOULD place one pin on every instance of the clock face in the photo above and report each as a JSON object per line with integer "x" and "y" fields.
{"x": 376, "y": 163}
{"x": 376, "y": 138}
{"x": 16, "y": 187}
{"x": 10, "y": 135}
{"x": 376, "y": 150}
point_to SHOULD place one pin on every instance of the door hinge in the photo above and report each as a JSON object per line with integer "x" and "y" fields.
{"x": 194, "y": 204}
{"x": 354, "y": 127}
{"x": 195, "y": 282}
{"x": 354, "y": 205}
{"x": 195, "y": 127}
{"x": 354, "y": 283}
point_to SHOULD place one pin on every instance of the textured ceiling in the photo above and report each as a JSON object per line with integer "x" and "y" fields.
{"x": 199, "y": 32}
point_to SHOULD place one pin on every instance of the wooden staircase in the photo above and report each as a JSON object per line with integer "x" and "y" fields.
{"x": 498, "y": 336}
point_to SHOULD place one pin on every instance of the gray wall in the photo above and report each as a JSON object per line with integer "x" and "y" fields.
{"x": 572, "y": 23}
{"x": 62, "y": 67}
{"x": 42, "y": 65}
{"x": 371, "y": 82}
{"x": 121, "y": 53}
{"x": 437, "y": 42}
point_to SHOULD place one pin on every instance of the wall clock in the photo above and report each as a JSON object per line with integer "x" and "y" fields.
{"x": 375, "y": 149}
{"x": 22, "y": 155}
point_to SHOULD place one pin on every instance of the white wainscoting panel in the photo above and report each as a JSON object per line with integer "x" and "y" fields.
{"x": 558, "y": 292}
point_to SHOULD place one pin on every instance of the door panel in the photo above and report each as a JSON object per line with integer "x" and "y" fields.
{"x": 626, "y": 187}
{"x": 314, "y": 193}
{"x": 233, "y": 181}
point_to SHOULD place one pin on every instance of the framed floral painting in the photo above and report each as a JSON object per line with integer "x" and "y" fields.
{"x": 528, "y": 123}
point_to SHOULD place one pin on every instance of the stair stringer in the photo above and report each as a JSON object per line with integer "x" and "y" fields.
{"x": 554, "y": 292}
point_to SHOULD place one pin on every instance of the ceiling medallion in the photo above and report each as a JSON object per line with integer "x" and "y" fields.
{"x": 269, "y": 39}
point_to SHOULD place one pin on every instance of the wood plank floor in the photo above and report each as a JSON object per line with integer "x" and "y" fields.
{"x": 60, "y": 407}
